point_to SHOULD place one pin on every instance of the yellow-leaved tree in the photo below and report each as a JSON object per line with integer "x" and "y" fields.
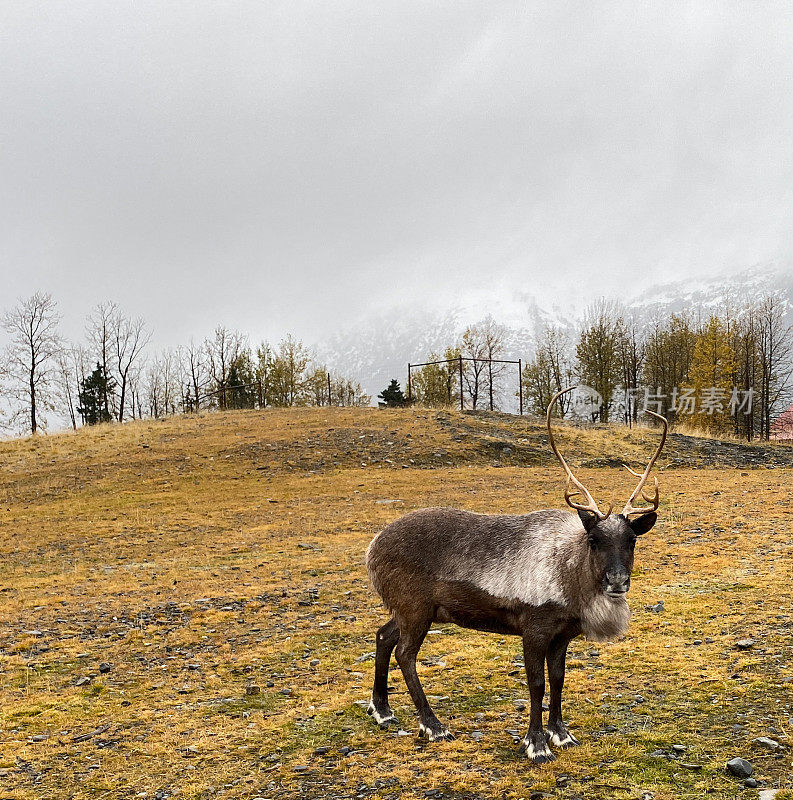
{"x": 711, "y": 377}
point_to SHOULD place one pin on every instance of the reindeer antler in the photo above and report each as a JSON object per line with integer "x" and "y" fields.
{"x": 639, "y": 490}
{"x": 580, "y": 489}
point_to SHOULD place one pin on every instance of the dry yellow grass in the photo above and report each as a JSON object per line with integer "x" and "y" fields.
{"x": 202, "y": 556}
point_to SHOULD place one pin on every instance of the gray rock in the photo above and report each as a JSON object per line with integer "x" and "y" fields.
{"x": 750, "y": 783}
{"x": 656, "y": 609}
{"x": 105, "y": 666}
{"x": 744, "y": 644}
{"x": 739, "y": 767}
{"x": 365, "y": 657}
{"x": 768, "y": 744}
{"x": 477, "y": 736}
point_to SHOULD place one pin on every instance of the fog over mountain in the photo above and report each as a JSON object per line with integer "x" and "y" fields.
{"x": 379, "y": 348}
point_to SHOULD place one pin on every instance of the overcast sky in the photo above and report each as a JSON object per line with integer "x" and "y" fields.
{"x": 291, "y": 167}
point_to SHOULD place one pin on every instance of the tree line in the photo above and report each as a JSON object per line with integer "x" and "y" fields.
{"x": 727, "y": 373}
{"x": 113, "y": 375}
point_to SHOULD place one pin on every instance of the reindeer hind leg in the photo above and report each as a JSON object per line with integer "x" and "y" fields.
{"x": 411, "y": 637}
{"x": 379, "y": 709}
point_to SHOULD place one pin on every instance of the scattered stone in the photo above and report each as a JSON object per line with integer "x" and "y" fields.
{"x": 744, "y": 644}
{"x": 656, "y": 609}
{"x": 84, "y": 681}
{"x": 750, "y": 783}
{"x": 739, "y": 767}
{"x": 105, "y": 667}
{"x": 40, "y": 737}
{"x": 767, "y": 794}
{"x": 520, "y": 704}
{"x": 365, "y": 657}
{"x": 300, "y": 768}
{"x": 252, "y": 690}
{"x": 346, "y": 750}
{"x": 402, "y": 732}
{"x": 321, "y": 751}
{"x": 193, "y": 667}
{"x": 679, "y": 748}
{"x": 477, "y": 736}
{"x": 387, "y": 502}
{"x": 286, "y": 692}
{"x": 768, "y": 744}
{"x": 84, "y": 737}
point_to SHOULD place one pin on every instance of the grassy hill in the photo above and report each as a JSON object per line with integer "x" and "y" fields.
{"x": 185, "y": 612}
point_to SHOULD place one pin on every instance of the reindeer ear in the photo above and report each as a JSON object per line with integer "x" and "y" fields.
{"x": 643, "y": 523}
{"x": 588, "y": 519}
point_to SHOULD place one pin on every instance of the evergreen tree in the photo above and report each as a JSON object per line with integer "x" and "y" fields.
{"x": 93, "y": 391}
{"x": 392, "y": 396}
{"x": 241, "y": 391}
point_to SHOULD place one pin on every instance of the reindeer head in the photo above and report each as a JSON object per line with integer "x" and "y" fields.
{"x": 611, "y": 538}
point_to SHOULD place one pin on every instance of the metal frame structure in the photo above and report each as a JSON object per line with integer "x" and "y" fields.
{"x": 459, "y": 362}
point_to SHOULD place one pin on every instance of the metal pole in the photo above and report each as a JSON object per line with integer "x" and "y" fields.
{"x": 328, "y": 388}
{"x": 520, "y": 384}
{"x": 461, "y": 382}
{"x": 490, "y": 380}
{"x": 409, "y": 386}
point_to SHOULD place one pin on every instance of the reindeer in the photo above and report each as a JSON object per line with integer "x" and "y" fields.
{"x": 547, "y": 577}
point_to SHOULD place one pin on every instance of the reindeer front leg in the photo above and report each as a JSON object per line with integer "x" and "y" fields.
{"x": 535, "y": 742}
{"x": 558, "y": 734}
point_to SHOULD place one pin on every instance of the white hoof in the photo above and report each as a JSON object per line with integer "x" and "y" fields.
{"x": 562, "y": 741}
{"x": 538, "y": 753}
{"x": 380, "y": 719}
{"x": 442, "y": 735}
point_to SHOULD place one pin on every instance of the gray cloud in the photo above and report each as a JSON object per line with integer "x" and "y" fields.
{"x": 286, "y": 166}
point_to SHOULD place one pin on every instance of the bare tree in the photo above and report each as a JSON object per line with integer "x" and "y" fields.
{"x": 473, "y": 348}
{"x": 597, "y": 352}
{"x": 99, "y": 331}
{"x": 162, "y": 384}
{"x": 129, "y": 338}
{"x": 549, "y": 372}
{"x": 222, "y": 351}
{"x": 193, "y": 359}
{"x": 31, "y": 356}
{"x": 630, "y": 349}
{"x": 493, "y": 338}
{"x": 776, "y": 363}
{"x": 72, "y": 367}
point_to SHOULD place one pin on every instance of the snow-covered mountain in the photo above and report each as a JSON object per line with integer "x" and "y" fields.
{"x": 379, "y": 348}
